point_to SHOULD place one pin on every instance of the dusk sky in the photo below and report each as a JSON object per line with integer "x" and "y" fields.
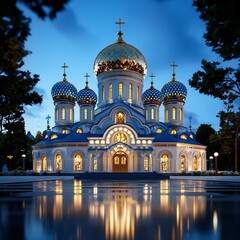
{"x": 163, "y": 30}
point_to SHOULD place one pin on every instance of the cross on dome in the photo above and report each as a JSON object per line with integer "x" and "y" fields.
{"x": 87, "y": 76}
{"x": 151, "y": 76}
{"x": 173, "y": 65}
{"x": 120, "y": 22}
{"x": 64, "y": 71}
{"x": 48, "y": 126}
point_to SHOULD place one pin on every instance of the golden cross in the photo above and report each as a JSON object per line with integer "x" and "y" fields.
{"x": 64, "y": 67}
{"x": 120, "y": 22}
{"x": 173, "y": 65}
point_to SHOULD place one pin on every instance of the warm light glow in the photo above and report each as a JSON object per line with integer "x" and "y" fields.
{"x": 215, "y": 221}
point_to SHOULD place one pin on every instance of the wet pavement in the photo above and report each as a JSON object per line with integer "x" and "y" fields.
{"x": 85, "y": 209}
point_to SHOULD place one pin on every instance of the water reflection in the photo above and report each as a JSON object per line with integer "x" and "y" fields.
{"x": 119, "y": 210}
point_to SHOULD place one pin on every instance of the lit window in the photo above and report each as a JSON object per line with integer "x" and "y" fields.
{"x": 95, "y": 164}
{"x": 152, "y": 113}
{"x": 195, "y": 165}
{"x": 138, "y": 93}
{"x": 44, "y": 163}
{"x": 174, "y": 113}
{"x": 77, "y": 162}
{"x": 130, "y": 91}
{"x": 91, "y": 114}
{"x": 58, "y": 162}
{"x": 64, "y": 131}
{"x": 166, "y": 115}
{"x": 63, "y": 113}
{"x": 71, "y": 114}
{"x": 110, "y": 91}
{"x": 183, "y": 163}
{"x": 164, "y": 162}
{"x": 159, "y": 130}
{"x": 183, "y": 136}
{"x": 120, "y": 90}
{"x": 85, "y": 113}
{"x": 46, "y": 136}
{"x": 54, "y": 136}
{"x": 146, "y": 164}
{"x": 103, "y": 93}
{"x": 191, "y": 136}
{"x": 56, "y": 112}
{"x": 79, "y": 130}
{"x": 181, "y": 114}
{"x": 173, "y": 131}
{"x": 146, "y": 114}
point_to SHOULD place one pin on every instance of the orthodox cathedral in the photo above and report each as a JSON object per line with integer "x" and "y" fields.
{"x": 119, "y": 129}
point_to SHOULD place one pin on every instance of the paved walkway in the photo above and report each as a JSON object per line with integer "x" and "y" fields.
{"x": 208, "y": 178}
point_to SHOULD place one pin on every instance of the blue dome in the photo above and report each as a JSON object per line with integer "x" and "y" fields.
{"x": 152, "y": 95}
{"x": 86, "y": 95}
{"x": 174, "y": 90}
{"x": 64, "y": 90}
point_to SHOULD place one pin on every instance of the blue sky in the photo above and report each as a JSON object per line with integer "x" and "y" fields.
{"x": 163, "y": 30}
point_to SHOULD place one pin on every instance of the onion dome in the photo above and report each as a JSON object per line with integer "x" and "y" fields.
{"x": 174, "y": 89}
{"x": 120, "y": 55}
{"x": 64, "y": 90}
{"x": 86, "y": 95}
{"x": 152, "y": 95}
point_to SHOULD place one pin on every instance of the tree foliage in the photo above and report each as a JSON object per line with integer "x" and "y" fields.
{"x": 17, "y": 85}
{"x": 223, "y": 36}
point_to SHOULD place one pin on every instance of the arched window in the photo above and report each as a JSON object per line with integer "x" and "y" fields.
{"x": 191, "y": 136}
{"x": 91, "y": 114}
{"x": 174, "y": 113}
{"x": 164, "y": 161}
{"x": 56, "y": 113}
{"x": 71, "y": 114}
{"x": 181, "y": 114}
{"x": 195, "y": 165}
{"x": 64, "y": 131}
{"x": 77, "y": 162}
{"x": 183, "y": 136}
{"x": 159, "y": 130}
{"x": 173, "y": 131}
{"x": 110, "y": 91}
{"x": 120, "y": 90}
{"x": 63, "y": 113}
{"x": 138, "y": 93}
{"x": 85, "y": 113}
{"x": 79, "y": 130}
{"x": 145, "y": 164}
{"x": 54, "y": 136}
{"x": 44, "y": 163}
{"x": 152, "y": 113}
{"x": 95, "y": 164}
{"x": 130, "y": 91}
{"x": 58, "y": 159}
{"x": 146, "y": 114}
{"x": 103, "y": 93}
{"x": 120, "y": 137}
{"x": 166, "y": 115}
{"x": 183, "y": 163}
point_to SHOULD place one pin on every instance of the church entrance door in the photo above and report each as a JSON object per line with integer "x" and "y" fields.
{"x": 120, "y": 162}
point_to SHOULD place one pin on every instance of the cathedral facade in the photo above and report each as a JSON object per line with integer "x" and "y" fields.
{"x": 119, "y": 128}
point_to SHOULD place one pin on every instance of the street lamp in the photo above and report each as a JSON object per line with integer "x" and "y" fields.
{"x": 211, "y": 158}
{"x": 24, "y": 156}
{"x": 216, "y": 155}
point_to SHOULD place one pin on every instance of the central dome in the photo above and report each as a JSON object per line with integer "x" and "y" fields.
{"x": 120, "y": 55}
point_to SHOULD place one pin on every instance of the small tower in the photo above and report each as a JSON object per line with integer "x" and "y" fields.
{"x": 152, "y": 100}
{"x": 64, "y": 96}
{"x": 174, "y": 95}
{"x": 86, "y": 99}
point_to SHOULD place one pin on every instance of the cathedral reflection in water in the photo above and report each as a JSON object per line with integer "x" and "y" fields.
{"x": 122, "y": 210}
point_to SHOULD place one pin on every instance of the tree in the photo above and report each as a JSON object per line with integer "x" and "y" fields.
{"x": 222, "y": 35}
{"x": 17, "y": 85}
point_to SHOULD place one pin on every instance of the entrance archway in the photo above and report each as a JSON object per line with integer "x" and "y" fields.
{"x": 120, "y": 162}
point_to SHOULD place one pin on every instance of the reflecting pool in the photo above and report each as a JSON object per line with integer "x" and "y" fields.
{"x": 81, "y": 209}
